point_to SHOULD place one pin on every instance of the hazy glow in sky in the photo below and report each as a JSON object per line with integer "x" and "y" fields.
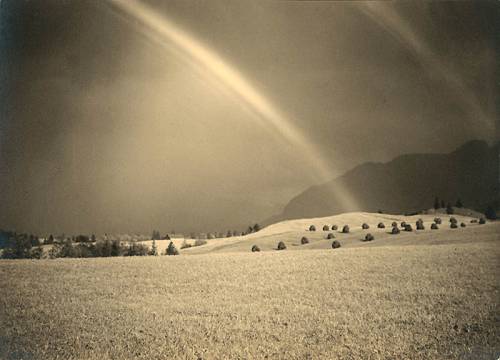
{"x": 235, "y": 81}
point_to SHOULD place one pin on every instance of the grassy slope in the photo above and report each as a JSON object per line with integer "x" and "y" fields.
{"x": 291, "y": 231}
{"x": 361, "y": 301}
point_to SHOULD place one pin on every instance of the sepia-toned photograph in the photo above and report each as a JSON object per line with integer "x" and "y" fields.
{"x": 250, "y": 179}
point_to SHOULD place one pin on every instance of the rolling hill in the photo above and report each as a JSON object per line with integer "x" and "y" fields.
{"x": 291, "y": 232}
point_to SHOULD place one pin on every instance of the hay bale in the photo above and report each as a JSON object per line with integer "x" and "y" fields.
{"x": 369, "y": 237}
{"x": 281, "y": 246}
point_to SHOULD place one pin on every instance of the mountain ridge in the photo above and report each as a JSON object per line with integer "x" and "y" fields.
{"x": 407, "y": 183}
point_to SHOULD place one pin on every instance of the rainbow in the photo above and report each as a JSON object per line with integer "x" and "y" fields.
{"x": 159, "y": 28}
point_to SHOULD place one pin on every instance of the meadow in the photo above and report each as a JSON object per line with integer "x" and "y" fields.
{"x": 428, "y": 295}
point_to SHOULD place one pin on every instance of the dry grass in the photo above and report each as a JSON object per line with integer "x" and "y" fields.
{"x": 291, "y": 231}
{"x": 436, "y": 301}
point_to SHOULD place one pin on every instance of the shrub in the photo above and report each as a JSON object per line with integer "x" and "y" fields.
{"x": 255, "y": 248}
{"x": 326, "y": 228}
{"x": 281, "y": 245}
{"x": 437, "y": 220}
{"x": 403, "y": 224}
{"x": 199, "y": 242}
{"x": 394, "y": 224}
{"x": 255, "y": 228}
{"x": 453, "y": 220}
{"x": 395, "y": 230}
{"x": 335, "y": 227}
{"x": 369, "y": 237}
{"x": 345, "y": 229}
{"x": 365, "y": 226}
{"x": 185, "y": 245}
{"x": 462, "y": 224}
{"x": 473, "y": 221}
{"x": 453, "y": 225}
{"x": 171, "y": 249}
{"x": 408, "y": 227}
{"x": 482, "y": 221}
{"x": 335, "y": 244}
{"x": 434, "y": 226}
{"x": 136, "y": 249}
{"x": 330, "y": 236}
{"x": 381, "y": 225}
{"x": 304, "y": 240}
{"x": 37, "y": 252}
{"x": 312, "y": 228}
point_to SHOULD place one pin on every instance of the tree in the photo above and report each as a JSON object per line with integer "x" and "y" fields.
{"x": 256, "y": 228}
{"x": 93, "y": 238}
{"x": 171, "y": 249}
{"x": 49, "y": 240}
{"x": 449, "y": 209}
{"x": 459, "y": 204}
{"x": 156, "y": 235}
{"x": 436, "y": 203}
{"x": 82, "y": 239}
{"x": 304, "y": 240}
{"x": 154, "y": 249}
{"x": 116, "y": 248}
{"x": 490, "y": 213}
{"x": 67, "y": 249}
{"x": 255, "y": 248}
{"x": 442, "y": 204}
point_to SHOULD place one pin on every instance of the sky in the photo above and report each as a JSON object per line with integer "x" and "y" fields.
{"x": 129, "y": 116}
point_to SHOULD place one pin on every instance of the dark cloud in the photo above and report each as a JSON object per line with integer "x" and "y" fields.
{"x": 103, "y": 129}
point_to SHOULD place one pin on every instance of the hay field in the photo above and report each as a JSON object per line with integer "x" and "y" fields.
{"x": 430, "y": 299}
{"x": 291, "y": 231}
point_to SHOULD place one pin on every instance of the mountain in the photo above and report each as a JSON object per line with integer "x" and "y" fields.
{"x": 408, "y": 183}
